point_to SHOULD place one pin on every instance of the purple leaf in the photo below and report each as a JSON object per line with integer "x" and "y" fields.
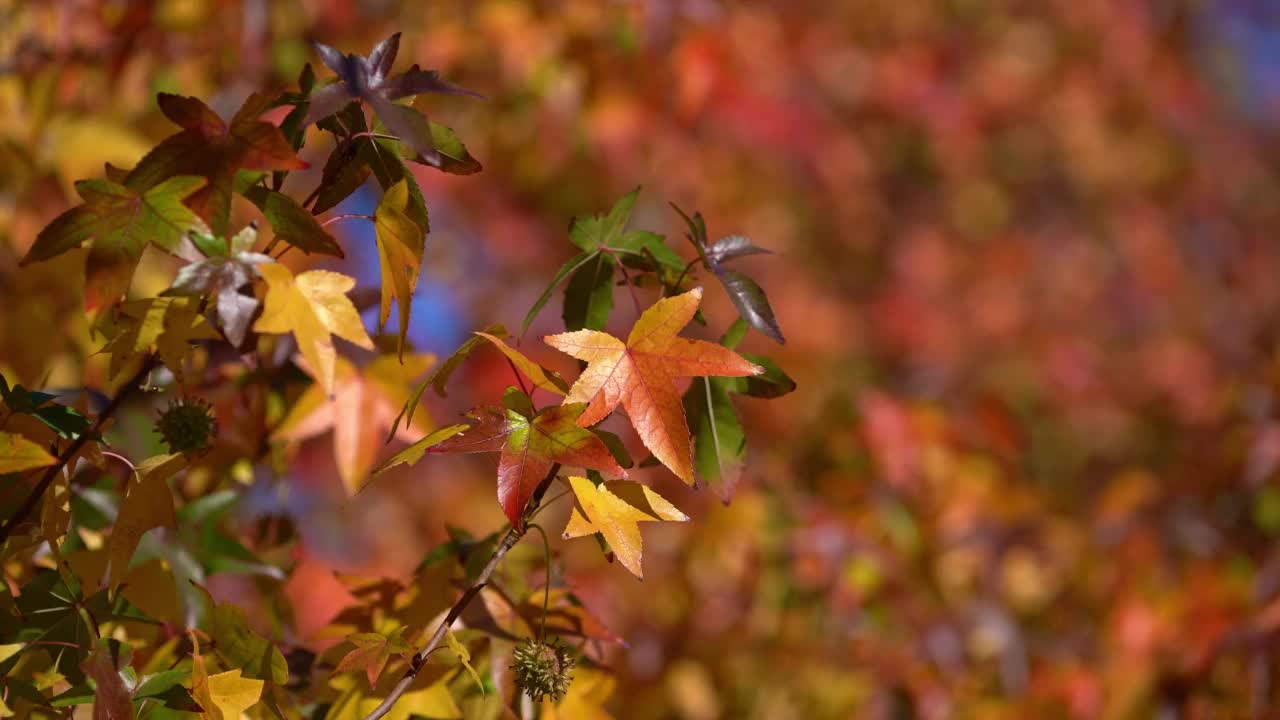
{"x": 382, "y": 58}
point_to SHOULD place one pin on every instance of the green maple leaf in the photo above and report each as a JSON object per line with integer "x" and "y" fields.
{"x": 719, "y": 440}
{"x": 120, "y": 220}
{"x": 588, "y": 298}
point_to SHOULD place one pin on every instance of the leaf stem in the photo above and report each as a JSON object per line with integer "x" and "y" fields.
{"x": 420, "y": 658}
{"x": 635, "y": 299}
{"x": 687, "y": 268}
{"x": 520, "y": 381}
{"x": 29, "y": 504}
{"x": 546, "y": 590}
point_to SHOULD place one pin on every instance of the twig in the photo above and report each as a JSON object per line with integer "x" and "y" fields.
{"x": 30, "y": 503}
{"x": 626, "y": 280}
{"x": 420, "y": 658}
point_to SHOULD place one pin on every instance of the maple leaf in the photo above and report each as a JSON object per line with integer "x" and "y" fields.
{"x": 293, "y": 223}
{"x": 548, "y": 380}
{"x": 166, "y": 324}
{"x": 400, "y": 246}
{"x": 112, "y": 699}
{"x": 588, "y": 298}
{"x": 746, "y": 294}
{"x": 224, "y": 696}
{"x": 312, "y": 306}
{"x": 586, "y": 699}
{"x": 222, "y": 275}
{"x": 120, "y": 220}
{"x": 438, "y": 379}
{"x": 719, "y": 441}
{"x": 361, "y": 409}
{"x": 529, "y": 449}
{"x": 372, "y": 651}
{"x": 17, "y": 454}
{"x": 616, "y": 519}
{"x": 147, "y": 504}
{"x": 239, "y": 646}
{"x": 368, "y": 79}
{"x": 213, "y": 149}
{"x": 358, "y": 151}
{"x": 640, "y": 375}
{"x": 464, "y": 657}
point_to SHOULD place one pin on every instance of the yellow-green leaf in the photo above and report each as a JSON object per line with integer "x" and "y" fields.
{"x": 166, "y": 324}
{"x": 240, "y": 647}
{"x": 412, "y": 454}
{"x": 227, "y": 695}
{"x": 400, "y": 247}
{"x": 548, "y": 380}
{"x": 464, "y": 657}
{"x": 17, "y": 453}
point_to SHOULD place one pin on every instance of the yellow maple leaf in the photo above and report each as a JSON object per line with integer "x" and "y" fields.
{"x": 400, "y": 246}
{"x": 147, "y": 504}
{"x": 166, "y": 324}
{"x": 356, "y": 701}
{"x": 617, "y": 519}
{"x": 548, "y": 380}
{"x": 227, "y": 695}
{"x": 588, "y": 693}
{"x": 17, "y": 454}
{"x": 313, "y": 306}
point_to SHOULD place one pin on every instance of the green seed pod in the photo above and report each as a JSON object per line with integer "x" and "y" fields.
{"x": 543, "y": 669}
{"x": 187, "y": 426}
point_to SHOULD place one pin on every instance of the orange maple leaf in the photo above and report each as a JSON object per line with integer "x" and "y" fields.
{"x": 360, "y": 411}
{"x": 640, "y": 375}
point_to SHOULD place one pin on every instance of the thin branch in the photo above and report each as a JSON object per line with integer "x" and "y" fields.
{"x": 33, "y": 499}
{"x": 420, "y": 658}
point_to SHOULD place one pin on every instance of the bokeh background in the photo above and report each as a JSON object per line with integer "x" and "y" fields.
{"x": 1027, "y": 266}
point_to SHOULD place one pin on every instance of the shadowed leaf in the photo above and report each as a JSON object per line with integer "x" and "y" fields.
{"x": 120, "y": 221}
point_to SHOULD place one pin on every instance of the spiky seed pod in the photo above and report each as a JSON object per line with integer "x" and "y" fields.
{"x": 543, "y": 669}
{"x": 187, "y": 426}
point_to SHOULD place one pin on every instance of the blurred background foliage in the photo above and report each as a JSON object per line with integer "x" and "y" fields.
{"x": 1026, "y": 268}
